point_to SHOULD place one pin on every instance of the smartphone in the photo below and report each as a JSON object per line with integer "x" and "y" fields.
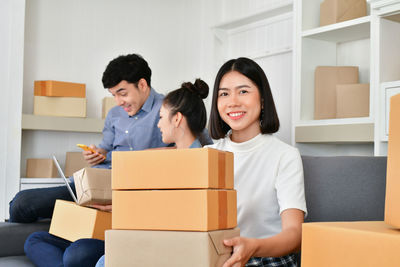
{"x": 86, "y": 148}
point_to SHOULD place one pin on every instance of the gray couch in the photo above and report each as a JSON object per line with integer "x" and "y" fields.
{"x": 337, "y": 189}
{"x": 12, "y": 239}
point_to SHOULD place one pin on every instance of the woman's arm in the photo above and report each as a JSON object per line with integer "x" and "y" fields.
{"x": 286, "y": 242}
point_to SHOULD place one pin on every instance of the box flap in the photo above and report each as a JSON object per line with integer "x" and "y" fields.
{"x": 217, "y": 238}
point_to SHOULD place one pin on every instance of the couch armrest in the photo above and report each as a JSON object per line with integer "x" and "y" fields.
{"x": 13, "y": 236}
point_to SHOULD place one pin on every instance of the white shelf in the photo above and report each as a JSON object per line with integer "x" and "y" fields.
{"x": 283, "y": 6}
{"x": 42, "y": 181}
{"x": 350, "y": 30}
{"x": 335, "y": 133}
{"x": 47, "y": 123}
{"x": 270, "y": 53}
{"x": 344, "y": 121}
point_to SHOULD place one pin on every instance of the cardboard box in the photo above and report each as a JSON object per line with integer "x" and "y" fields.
{"x": 72, "y": 222}
{"x": 333, "y": 11}
{"x": 352, "y": 100}
{"x": 59, "y": 106}
{"x": 349, "y": 244}
{"x": 41, "y": 168}
{"x": 74, "y": 161}
{"x": 392, "y": 207}
{"x": 326, "y": 79}
{"x": 108, "y": 103}
{"x": 158, "y": 169}
{"x": 93, "y": 186}
{"x": 179, "y": 210}
{"x": 167, "y": 248}
{"x": 57, "y": 88}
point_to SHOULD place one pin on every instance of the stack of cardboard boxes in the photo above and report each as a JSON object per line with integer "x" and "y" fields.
{"x": 171, "y": 208}
{"x": 362, "y": 243}
{"x": 338, "y": 93}
{"x": 73, "y": 221}
{"x": 55, "y": 98}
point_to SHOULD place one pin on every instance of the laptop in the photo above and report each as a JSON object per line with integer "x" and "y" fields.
{"x": 71, "y": 192}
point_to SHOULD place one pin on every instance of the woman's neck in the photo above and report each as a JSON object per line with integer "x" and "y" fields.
{"x": 186, "y": 141}
{"x": 243, "y": 135}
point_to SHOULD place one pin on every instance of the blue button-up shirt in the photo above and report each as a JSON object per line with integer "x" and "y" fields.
{"x": 138, "y": 132}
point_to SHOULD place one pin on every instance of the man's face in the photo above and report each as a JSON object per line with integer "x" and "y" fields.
{"x": 129, "y": 96}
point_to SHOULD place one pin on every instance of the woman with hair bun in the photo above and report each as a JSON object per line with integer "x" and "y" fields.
{"x": 183, "y": 115}
{"x": 183, "y": 118}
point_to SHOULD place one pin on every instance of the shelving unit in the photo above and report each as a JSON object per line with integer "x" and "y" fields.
{"x": 29, "y": 183}
{"x": 366, "y": 42}
{"x": 265, "y": 35}
{"x": 34, "y": 122}
{"x": 49, "y": 136}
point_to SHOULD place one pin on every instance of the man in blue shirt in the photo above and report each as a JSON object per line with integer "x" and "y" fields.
{"x": 131, "y": 125}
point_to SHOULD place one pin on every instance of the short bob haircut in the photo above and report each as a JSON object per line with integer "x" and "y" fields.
{"x": 269, "y": 121}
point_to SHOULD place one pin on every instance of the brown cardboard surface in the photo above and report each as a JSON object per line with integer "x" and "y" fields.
{"x": 349, "y": 244}
{"x": 72, "y": 222}
{"x": 41, "y": 168}
{"x": 167, "y": 248}
{"x": 352, "y": 100}
{"x": 172, "y": 168}
{"x": 186, "y": 210}
{"x": 57, "y": 88}
{"x": 326, "y": 79}
{"x": 392, "y": 207}
{"x": 59, "y": 106}
{"x": 333, "y": 11}
{"x": 93, "y": 186}
{"x": 74, "y": 161}
{"x": 108, "y": 103}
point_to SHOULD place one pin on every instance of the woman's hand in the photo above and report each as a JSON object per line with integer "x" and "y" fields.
{"x": 94, "y": 158}
{"x": 243, "y": 250}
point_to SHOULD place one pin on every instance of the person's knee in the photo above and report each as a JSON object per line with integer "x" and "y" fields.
{"x": 83, "y": 252}
{"x": 32, "y": 240}
{"x": 19, "y": 208}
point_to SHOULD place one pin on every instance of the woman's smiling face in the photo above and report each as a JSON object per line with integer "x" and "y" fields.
{"x": 239, "y": 105}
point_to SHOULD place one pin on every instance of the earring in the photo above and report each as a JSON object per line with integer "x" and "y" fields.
{"x": 261, "y": 117}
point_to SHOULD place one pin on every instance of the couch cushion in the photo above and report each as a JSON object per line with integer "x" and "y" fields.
{"x": 13, "y": 236}
{"x": 345, "y": 188}
{"x": 17, "y": 261}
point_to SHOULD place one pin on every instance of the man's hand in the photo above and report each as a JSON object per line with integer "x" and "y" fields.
{"x": 243, "y": 250}
{"x": 102, "y": 207}
{"x": 94, "y": 158}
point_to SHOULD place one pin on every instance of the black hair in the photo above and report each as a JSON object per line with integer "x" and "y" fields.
{"x": 188, "y": 100}
{"x": 130, "y": 68}
{"x": 269, "y": 121}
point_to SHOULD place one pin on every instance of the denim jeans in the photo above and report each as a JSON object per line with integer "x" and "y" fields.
{"x": 33, "y": 204}
{"x": 47, "y": 250}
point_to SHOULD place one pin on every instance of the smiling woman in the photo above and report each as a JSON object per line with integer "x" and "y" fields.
{"x": 268, "y": 173}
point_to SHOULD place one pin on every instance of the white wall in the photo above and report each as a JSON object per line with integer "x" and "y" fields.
{"x": 11, "y": 67}
{"x": 73, "y": 40}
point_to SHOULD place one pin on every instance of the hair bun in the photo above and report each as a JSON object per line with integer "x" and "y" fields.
{"x": 199, "y": 87}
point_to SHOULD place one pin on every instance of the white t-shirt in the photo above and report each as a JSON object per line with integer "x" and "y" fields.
{"x": 268, "y": 179}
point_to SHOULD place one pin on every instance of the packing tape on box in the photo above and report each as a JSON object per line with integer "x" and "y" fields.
{"x": 222, "y": 209}
{"x": 42, "y": 85}
{"x": 221, "y": 170}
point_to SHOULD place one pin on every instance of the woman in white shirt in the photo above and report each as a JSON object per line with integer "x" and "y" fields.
{"x": 268, "y": 173}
